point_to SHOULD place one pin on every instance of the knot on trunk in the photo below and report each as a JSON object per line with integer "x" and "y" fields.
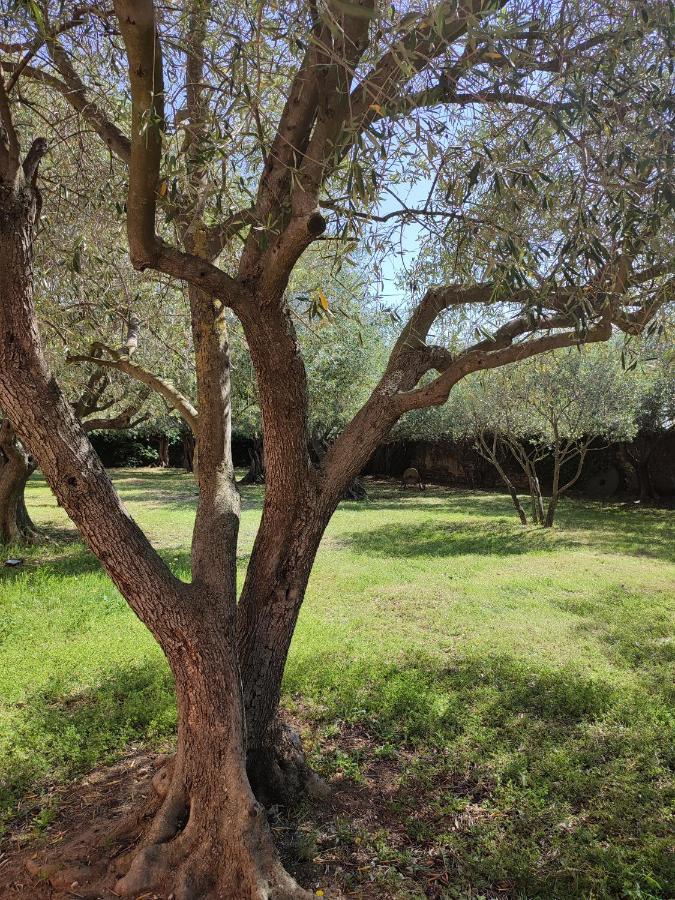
{"x": 316, "y": 224}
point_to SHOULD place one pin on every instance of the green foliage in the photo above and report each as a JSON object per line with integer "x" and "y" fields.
{"x": 568, "y": 395}
{"x": 126, "y": 450}
{"x": 584, "y": 393}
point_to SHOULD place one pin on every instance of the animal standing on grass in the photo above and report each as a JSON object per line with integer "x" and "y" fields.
{"x": 412, "y": 476}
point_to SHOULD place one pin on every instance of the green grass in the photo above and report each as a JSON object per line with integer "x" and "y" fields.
{"x": 522, "y": 678}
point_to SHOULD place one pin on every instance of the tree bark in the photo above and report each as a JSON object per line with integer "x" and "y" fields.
{"x": 16, "y": 526}
{"x": 209, "y": 839}
{"x": 299, "y": 502}
{"x": 555, "y": 489}
{"x": 535, "y": 494}
{"x": 644, "y": 447}
{"x": 163, "y": 451}
{"x": 558, "y": 489}
{"x": 490, "y": 453}
{"x": 188, "y": 450}
{"x": 274, "y": 588}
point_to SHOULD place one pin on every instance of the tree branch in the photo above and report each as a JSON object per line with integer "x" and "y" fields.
{"x": 9, "y": 142}
{"x": 160, "y": 385}
{"x": 75, "y": 92}
{"x": 437, "y": 391}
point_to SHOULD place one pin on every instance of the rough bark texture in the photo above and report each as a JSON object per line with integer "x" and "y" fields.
{"x": 273, "y": 592}
{"x": 209, "y": 839}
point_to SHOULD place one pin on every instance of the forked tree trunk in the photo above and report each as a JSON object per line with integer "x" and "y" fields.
{"x": 209, "y": 840}
{"x": 551, "y": 511}
{"x": 535, "y": 495}
{"x": 489, "y": 453}
{"x": 299, "y": 503}
{"x": 557, "y": 489}
{"x": 268, "y": 609}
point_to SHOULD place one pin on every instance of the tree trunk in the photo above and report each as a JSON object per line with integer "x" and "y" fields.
{"x": 268, "y": 609}
{"x": 163, "y": 451}
{"x": 188, "y": 451}
{"x": 645, "y": 445}
{"x": 24, "y": 521}
{"x": 256, "y": 469}
{"x": 516, "y": 501}
{"x": 634, "y": 459}
{"x": 550, "y": 512}
{"x": 535, "y": 495}
{"x": 16, "y": 526}
{"x": 555, "y": 489}
{"x": 355, "y": 490}
{"x": 210, "y": 838}
{"x": 489, "y": 453}
{"x": 299, "y": 501}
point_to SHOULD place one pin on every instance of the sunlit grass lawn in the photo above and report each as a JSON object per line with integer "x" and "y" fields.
{"x": 527, "y": 674}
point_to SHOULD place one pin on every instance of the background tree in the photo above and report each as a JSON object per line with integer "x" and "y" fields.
{"x": 99, "y": 407}
{"x": 554, "y": 407}
{"x": 314, "y": 114}
{"x": 655, "y": 368}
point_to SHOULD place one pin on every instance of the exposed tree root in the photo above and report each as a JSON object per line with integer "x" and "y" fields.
{"x": 200, "y": 848}
{"x": 157, "y": 842}
{"x": 279, "y": 772}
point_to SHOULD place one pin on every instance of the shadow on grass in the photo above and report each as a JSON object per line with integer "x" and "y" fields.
{"x": 498, "y": 754}
{"x": 67, "y": 558}
{"x": 435, "y": 538}
{"x": 524, "y": 751}
{"x": 610, "y": 528}
{"x": 418, "y": 698}
{"x": 73, "y": 559}
{"x": 61, "y": 732}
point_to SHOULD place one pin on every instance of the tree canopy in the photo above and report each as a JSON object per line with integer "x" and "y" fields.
{"x": 527, "y": 144}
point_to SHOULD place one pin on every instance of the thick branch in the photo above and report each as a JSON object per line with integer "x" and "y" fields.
{"x": 438, "y": 390}
{"x": 160, "y": 385}
{"x": 128, "y": 418}
{"x": 137, "y": 24}
{"x": 75, "y": 92}
{"x": 412, "y": 54}
{"x": 9, "y": 142}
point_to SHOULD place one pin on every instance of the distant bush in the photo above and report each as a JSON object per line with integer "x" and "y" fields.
{"x": 124, "y": 449}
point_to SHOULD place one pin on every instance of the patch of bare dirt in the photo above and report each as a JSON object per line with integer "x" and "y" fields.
{"x": 367, "y": 838}
{"x": 74, "y": 855}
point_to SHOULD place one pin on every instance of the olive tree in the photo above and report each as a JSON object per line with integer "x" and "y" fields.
{"x": 100, "y": 405}
{"x": 554, "y": 407}
{"x": 311, "y": 113}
